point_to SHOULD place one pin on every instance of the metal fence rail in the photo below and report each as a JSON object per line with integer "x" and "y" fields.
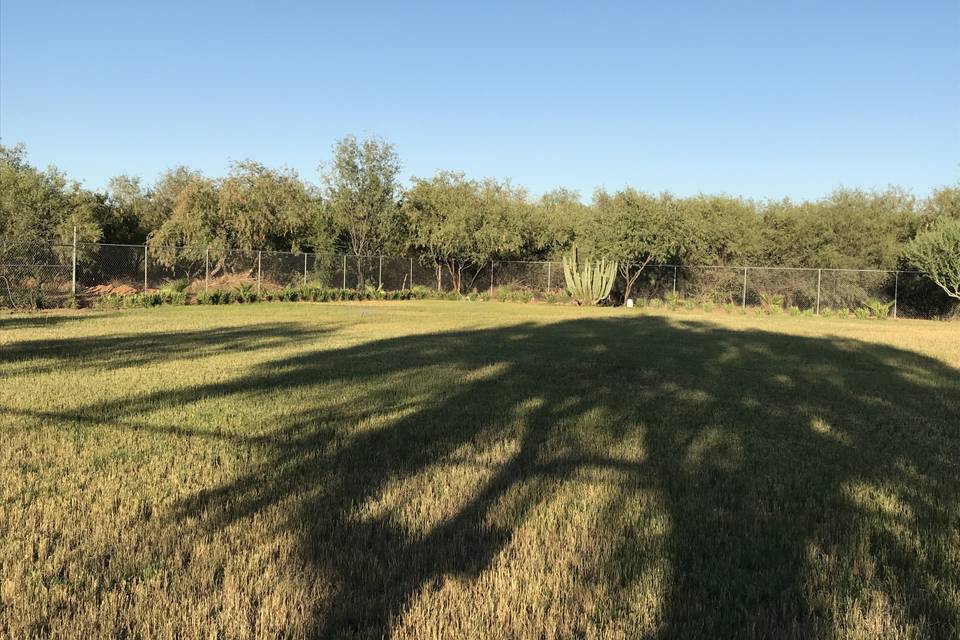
{"x": 50, "y": 274}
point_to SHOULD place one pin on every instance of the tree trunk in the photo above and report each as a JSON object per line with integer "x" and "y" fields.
{"x": 360, "y": 280}
{"x": 455, "y": 273}
{"x": 632, "y": 279}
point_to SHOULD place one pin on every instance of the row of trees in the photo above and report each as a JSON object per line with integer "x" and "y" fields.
{"x": 462, "y": 223}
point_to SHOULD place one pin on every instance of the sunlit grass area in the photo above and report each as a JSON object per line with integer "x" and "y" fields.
{"x": 470, "y": 470}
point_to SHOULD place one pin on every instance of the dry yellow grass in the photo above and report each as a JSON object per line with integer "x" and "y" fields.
{"x": 443, "y": 469}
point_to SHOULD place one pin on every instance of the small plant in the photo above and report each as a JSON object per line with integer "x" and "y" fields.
{"x": 771, "y": 302}
{"x": 827, "y": 312}
{"x": 878, "y": 309}
{"x": 689, "y": 305}
{"x": 504, "y": 293}
{"x": 420, "y": 292}
{"x": 862, "y": 313}
{"x": 794, "y": 311}
{"x": 244, "y": 292}
{"x": 178, "y": 285}
{"x": 109, "y": 301}
{"x": 656, "y": 303}
{"x": 521, "y": 296}
{"x": 708, "y": 306}
{"x": 728, "y": 307}
{"x": 843, "y": 312}
{"x": 673, "y": 300}
{"x": 807, "y": 313}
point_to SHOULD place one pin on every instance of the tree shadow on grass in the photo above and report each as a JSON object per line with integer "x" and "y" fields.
{"x": 118, "y": 351}
{"x": 803, "y": 487}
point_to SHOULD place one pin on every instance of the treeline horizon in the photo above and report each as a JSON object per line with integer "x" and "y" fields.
{"x": 459, "y": 222}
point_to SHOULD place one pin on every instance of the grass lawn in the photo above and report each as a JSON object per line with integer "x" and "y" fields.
{"x": 470, "y": 470}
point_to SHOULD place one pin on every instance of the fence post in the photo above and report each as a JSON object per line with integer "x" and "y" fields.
{"x": 344, "y": 271}
{"x": 73, "y": 285}
{"x": 411, "y": 273}
{"x": 304, "y": 269}
{"x": 144, "y": 268}
{"x": 819, "y": 274}
{"x": 206, "y": 277}
{"x": 258, "y": 271}
{"x": 438, "y": 278}
{"x": 491, "y": 276}
{"x": 549, "y": 273}
{"x": 380, "y": 274}
{"x": 674, "y": 279}
{"x": 744, "y": 303}
{"x": 896, "y": 291}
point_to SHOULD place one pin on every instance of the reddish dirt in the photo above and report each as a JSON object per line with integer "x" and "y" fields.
{"x": 104, "y": 289}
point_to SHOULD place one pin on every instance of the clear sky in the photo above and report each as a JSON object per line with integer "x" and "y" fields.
{"x": 762, "y": 99}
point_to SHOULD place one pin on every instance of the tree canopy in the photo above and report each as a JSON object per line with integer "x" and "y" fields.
{"x": 461, "y": 224}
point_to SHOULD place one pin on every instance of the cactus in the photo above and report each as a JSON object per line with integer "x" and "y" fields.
{"x": 588, "y": 282}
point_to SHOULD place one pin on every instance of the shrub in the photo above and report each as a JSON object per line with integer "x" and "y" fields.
{"x": 504, "y": 293}
{"x": 862, "y": 313}
{"x": 771, "y": 302}
{"x": 178, "y": 285}
{"x": 109, "y": 301}
{"x": 728, "y": 307}
{"x": 673, "y": 300}
{"x": 689, "y": 305}
{"x": 420, "y": 292}
{"x": 879, "y": 310}
{"x": 794, "y": 311}
{"x": 521, "y": 296}
{"x": 244, "y": 292}
{"x": 708, "y": 306}
{"x": 827, "y": 312}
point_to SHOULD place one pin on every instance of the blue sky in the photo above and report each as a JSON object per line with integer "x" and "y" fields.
{"x": 762, "y": 99}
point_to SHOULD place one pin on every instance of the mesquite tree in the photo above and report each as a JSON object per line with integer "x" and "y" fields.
{"x": 936, "y": 252}
{"x": 361, "y": 193}
{"x": 462, "y": 225}
{"x": 636, "y": 229}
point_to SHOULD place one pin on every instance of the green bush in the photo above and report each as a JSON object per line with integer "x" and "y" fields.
{"x": 708, "y": 306}
{"x": 771, "y": 302}
{"x": 178, "y": 285}
{"x": 728, "y": 307}
{"x": 245, "y": 292}
{"x": 862, "y": 313}
{"x": 794, "y": 311}
{"x": 879, "y": 309}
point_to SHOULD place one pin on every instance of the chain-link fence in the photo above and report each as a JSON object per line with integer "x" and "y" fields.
{"x": 35, "y": 275}
{"x": 46, "y": 275}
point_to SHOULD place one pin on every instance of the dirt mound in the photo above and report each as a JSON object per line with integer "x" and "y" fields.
{"x": 105, "y": 289}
